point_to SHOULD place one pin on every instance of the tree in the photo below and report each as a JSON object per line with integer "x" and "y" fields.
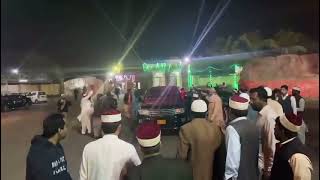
{"x": 254, "y": 41}
{"x": 287, "y": 38}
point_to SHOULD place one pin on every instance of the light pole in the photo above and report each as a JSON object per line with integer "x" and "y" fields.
{"x": 15, "y": 71}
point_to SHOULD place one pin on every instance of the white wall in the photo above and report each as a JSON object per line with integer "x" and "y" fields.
{"x": 159, "y": 79}
{"x": 175, "y": 79}
{"x": 29, "y": 87}
{"x": 50, "y": 89}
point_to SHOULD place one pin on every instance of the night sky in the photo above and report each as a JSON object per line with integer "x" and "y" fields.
{"x": 77, "y": 33}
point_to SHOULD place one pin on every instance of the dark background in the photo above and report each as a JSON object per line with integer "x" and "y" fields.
{"x": 77, "y": 33}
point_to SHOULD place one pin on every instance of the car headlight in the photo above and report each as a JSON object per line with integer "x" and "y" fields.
{"x": 179, "y": 110}
{"x": 144, "y": 112}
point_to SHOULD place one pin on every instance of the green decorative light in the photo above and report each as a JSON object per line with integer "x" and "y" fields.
{"x": 236, "y": 76}
{"x": 210, "y": 76}
{"x": 161, "y": 67}
{"x": 190, "y": 78}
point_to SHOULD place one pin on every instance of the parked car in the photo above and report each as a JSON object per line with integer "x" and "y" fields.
{"x": 23, "y": 94}
{"x": 10, "y": 102}
{"x": 164, "y": 106}
{"x": 37, "y": 96}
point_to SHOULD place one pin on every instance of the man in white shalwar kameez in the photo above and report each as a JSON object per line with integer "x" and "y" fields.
{"x": 108, "y": 157}
{"x": 86, "y": 113}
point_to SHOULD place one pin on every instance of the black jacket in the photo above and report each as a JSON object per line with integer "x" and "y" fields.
{"x": 281, "y": 168}
{"x": 159, "y": 168}
{"x": 46, "y": 161}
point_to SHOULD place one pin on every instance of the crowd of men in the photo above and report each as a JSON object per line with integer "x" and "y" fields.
{"x": 259, "y": 134}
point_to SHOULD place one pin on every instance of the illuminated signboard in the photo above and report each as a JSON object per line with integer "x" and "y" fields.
{"x": 125, "y": 77}
{"x": 162, "y": 67}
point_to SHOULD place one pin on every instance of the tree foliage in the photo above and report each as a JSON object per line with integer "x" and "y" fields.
{"x": 255, "y": 41}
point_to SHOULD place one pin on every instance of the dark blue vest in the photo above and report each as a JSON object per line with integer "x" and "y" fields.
{"x": 286, "y": 105}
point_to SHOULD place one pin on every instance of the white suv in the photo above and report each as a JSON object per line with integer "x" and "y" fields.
{"x": 37, "y": 96}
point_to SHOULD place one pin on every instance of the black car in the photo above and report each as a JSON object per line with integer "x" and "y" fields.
{"x": 10, "y": 102}
{"x": 164, "y": 106}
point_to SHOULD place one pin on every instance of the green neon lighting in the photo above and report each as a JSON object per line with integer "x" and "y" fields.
{"x": 190, "y": 78}
{"x": 210, "y": 78}
{"x": 236, "y": 76}
{"x": 161, "y": 67}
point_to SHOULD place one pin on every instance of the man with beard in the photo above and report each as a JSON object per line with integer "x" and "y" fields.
{"x": 290, "y": 161}
{"x": 242, "y": 142}
{"x": 265, "y": 123}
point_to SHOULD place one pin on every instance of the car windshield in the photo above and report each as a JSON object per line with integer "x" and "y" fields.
{"x": 162, "y": 91}
{"x": 42, "y": 93}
